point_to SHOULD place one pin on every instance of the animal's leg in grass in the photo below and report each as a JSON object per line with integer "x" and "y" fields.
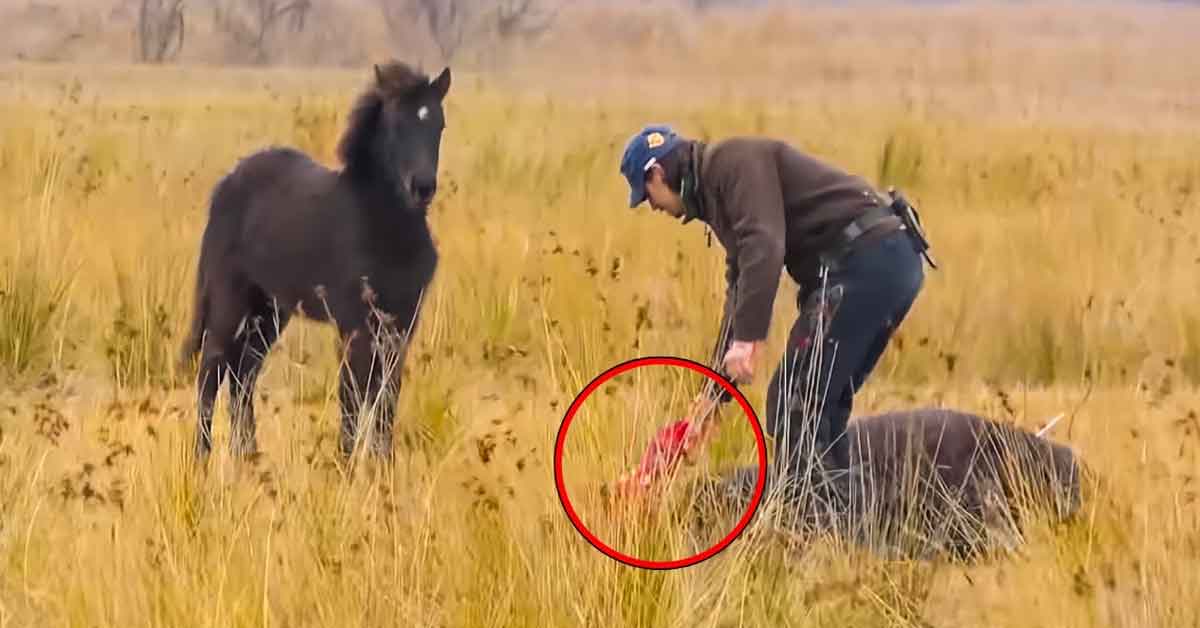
{"x": 361, "y": 380}
{"x": 392, "y": 337}
{"x": 259, "y": 333}
{"x": 226, "y": 312}
{"x": 208, "y": 383}
{"x": 391, "y": 349}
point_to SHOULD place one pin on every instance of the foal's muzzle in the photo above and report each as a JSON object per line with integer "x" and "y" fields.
{"x": 421, "y": 189}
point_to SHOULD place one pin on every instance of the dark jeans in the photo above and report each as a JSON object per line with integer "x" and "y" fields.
{"x": 811, "y": 394}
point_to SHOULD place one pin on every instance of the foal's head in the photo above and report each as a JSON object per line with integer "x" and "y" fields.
{"x": 395, "y": 132}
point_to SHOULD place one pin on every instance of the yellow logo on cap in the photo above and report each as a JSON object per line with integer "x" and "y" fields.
{"x": 654, "y": 140}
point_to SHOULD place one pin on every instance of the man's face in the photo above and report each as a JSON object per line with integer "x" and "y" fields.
{"x": 659, "y": 195}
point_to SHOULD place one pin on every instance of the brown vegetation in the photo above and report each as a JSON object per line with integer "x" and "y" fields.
{"x": 1051, "y": 149}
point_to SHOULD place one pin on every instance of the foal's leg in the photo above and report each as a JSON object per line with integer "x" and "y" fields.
{"x": 372, "y": 377}
{"x": 391, "y": 359}
{"x": 360, "y": 383}
{"x": 208, "y": 382}
{"x": 394, "y": 338}
{"x": 260, "y": 332}
{"x": 226, "y": 311}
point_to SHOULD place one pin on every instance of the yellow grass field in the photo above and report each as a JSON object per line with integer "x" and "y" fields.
{"x": 1055, "y": 156}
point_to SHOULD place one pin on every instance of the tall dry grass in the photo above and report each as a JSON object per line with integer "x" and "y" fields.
{"x": 1069, "y": 252}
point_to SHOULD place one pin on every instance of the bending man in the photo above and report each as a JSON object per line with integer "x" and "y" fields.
{"x": 775, "y": 208}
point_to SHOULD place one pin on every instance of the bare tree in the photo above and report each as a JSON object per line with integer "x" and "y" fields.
{"x": 160, "y": 30}
{"x": 446, "y": 21}
{"x": 252, "y": 23}
{"x": 450, "y": 24}
{"x": 522, "y": 19}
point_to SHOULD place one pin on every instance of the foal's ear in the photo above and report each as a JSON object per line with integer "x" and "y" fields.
{"x": 441, "y": 84}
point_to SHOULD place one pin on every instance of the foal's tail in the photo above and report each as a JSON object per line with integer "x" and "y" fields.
{"x": 191, "y": 344}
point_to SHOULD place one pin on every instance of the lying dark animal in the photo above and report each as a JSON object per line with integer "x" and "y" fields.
{"x": 351, "y": 247}
{"x": 934, "y": 481}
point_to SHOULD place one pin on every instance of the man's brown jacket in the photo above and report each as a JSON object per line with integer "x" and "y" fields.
{"x": 772, "y": 208}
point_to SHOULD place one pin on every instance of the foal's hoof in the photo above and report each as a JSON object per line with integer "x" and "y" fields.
{"x": 200, "y": 456}
{"x": 252, "y": 457}
{"x": 383, "y": 453}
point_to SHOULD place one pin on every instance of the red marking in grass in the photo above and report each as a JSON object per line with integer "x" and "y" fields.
{"x": 632, "y": 560}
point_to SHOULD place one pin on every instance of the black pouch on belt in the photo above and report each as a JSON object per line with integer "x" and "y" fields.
{"x": 912, "y": 223}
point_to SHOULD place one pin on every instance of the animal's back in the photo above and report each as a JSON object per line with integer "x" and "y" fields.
{"x": 266, "y": 184}
{"x": 293, "y": 225}
{"x": 274, "y": 170}
{"x": 925, "y": 435}
{"x": 966, "y": 451}
{"x": 267, "y": 168}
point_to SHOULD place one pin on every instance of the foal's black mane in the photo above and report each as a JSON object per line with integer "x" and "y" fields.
{"x": 393, "y": 81}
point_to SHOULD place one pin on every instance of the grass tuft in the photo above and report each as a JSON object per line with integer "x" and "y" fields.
{"x": 1069, "y": 258}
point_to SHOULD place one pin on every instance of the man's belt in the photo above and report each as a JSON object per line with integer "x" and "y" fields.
{"x": 870, "y": 219}
{"x": 898, "y": 213}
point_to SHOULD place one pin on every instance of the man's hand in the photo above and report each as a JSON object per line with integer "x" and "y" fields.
{"x": 740, "y": 360}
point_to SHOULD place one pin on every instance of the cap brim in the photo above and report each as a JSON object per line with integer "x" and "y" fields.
{"x": 637, "y": 189}
{"x": 636, "y": 198}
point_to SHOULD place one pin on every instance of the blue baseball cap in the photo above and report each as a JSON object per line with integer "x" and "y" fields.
{"x": 642, "y": 151}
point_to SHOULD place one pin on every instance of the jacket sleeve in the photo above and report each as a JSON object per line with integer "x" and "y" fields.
{"x": 753, "y": 201}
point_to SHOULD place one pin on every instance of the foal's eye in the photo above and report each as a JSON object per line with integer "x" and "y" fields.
{"x": 423, "y": 113}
